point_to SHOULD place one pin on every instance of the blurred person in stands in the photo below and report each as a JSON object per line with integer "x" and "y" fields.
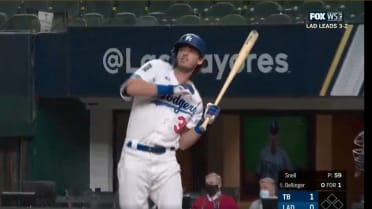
{"x": 214, "y": 199}
{"x": 273, "y": 158}
{"x": 267, "y": 190}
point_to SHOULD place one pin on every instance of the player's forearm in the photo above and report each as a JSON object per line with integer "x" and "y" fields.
{"x": 139, "y": 87}
{"x": 188, "y": 138}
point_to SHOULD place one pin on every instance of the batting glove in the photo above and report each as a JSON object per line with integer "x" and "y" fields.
{"x": 211, "y": 112}
{"x": 198, "y": 129}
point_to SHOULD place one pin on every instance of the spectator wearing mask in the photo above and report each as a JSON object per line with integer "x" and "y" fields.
{"x": 214, "y": 199}
{"x": 267, "y": 190}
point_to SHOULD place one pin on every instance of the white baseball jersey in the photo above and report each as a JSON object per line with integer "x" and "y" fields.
{"x": 160, "y": 120}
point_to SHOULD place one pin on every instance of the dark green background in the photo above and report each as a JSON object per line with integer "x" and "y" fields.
{"x": 293, "y": 138}
{"x": 59, "y": 150}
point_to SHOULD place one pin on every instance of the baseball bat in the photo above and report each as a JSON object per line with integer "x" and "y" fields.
{"x": 243, "y": 54}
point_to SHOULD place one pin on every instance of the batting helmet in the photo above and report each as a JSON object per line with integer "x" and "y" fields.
{"x": 192, "y": 40}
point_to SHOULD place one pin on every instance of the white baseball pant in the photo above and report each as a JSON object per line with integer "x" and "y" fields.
{"x": 144, "y": 174}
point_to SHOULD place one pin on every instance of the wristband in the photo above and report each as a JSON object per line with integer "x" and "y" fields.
{"x": 164, "y": 89}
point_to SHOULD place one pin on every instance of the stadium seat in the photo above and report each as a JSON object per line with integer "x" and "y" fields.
{"x": 254, "y": 21}
{"x": 33, "y": 7}
{"x": 137, "y": 7}
{"x": 158, "y": 15}
{"x": 291, "y": 11}
{"x": 77, "y": 22}
{"x": 68, "y": 8}
{"x": 278, "y": 19}
{"x": 23, "y": 22}
{"x": 188, "y": 20}
{"x": 233, "y": 19}
{"x": 210, "y": 20}
{"x": 352, "y": 10}
{"x": 102, "y": 7}
{"x": 123, "y": 19}
{"x": 237, "y": 3}
{"x": 10, "y": 7}
{"x": 351, "y": 7}
{"x": 313, "y": 5}
{"x": 93, "y": 19}
{"x": 265, "y": 8}
{"x": 147, "y": 20}
{"x": 161, "y": 16}
{"x": 221, "y": 9}
{"x": 158, "y": 6}
{"x": 289, "y": 4}
{"x": 308, "y": 6}
{"x": 331, "y": 5}
{"x": 179, "y": 9}
{"x": 200, "y": 7}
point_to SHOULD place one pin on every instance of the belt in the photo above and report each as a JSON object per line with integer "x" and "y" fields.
{"x": 153, "y": 149}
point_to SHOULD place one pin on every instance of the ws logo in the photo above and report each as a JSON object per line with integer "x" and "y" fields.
{"x": 325, "y": 16}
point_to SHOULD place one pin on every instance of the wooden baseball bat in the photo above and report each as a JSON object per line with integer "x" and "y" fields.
{"x": 243, "y": 54}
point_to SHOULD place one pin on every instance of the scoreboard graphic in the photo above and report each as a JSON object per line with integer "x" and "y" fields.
{"x": 312, "y": 190}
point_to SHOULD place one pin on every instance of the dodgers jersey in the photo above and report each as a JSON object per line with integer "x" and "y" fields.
{"x": 159, "y": 120}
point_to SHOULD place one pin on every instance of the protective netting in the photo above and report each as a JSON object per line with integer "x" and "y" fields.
{"x": 358, "y": 154}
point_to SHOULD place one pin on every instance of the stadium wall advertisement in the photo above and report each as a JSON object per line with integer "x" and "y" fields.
{"x": 287, "y": 61}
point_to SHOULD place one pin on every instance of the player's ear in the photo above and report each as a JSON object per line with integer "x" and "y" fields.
{"x": 202, "y": 62}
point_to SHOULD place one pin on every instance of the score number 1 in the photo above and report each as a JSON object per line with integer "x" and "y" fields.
{"x": 298, "y": 200}
{"x": 311, "y": 205}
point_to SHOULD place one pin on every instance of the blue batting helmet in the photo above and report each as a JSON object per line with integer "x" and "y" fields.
{"x": 191, "y": 40}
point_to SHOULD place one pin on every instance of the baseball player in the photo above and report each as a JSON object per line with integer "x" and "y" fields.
{"x": 166, "y": 115}
{"x": 273, "y": 158}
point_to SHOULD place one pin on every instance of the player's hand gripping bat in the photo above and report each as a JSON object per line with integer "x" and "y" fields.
{"x": 243, "y": 54}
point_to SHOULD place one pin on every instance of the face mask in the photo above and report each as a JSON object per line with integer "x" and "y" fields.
{"x": 211, "y": 189}
{"x": 264, "y": 193}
